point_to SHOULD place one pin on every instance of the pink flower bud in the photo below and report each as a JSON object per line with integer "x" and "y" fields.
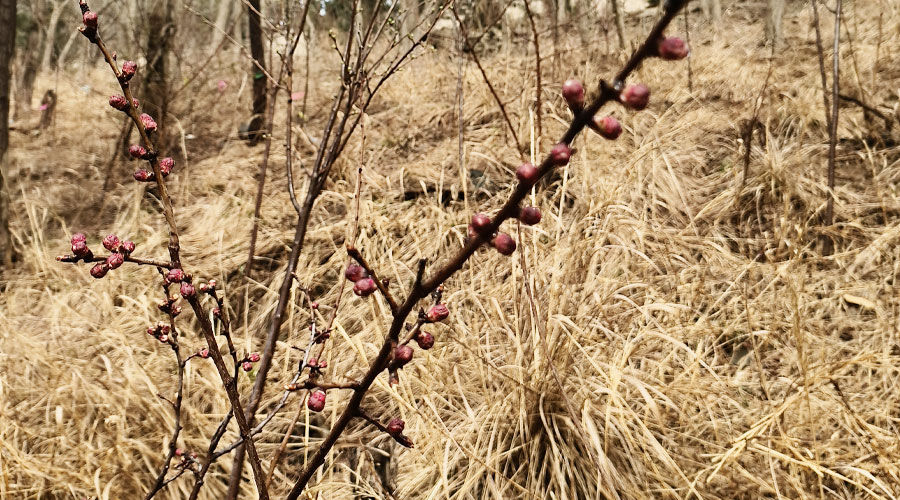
{"x": 115, "y": 260}
{"x": 204, "y": 353}
{"x": 425, "y": 340}
{"x": 126, "y": 247}
{"x": 90, "y": 19}
{"x": 527, "y": 174}
{"x": 163, "y": 327}
{"x": 253, "y": 357}
{"x": 672, "y": 49}
{"x": 163, "y": 338}
{"x": 137, "y": 151}
{"x": 111, "y": 242}
{"x": 80, "y": 248}
{"x": 78, "y": 237}
{"x": 395, "y": 426}
{"x": 148, "y": 122}
{"x": 217, "y": 312}
{"x": 129, "y": 68}
{"x": 314, "y": 305}
{"x": 480, "y": 222}
{"x": 403, "y": 354}
{"x": 179, "y": 452}
{"x": 118, "y": 102}
{"x": 636, "y": 97}
{"x": 560, "y": 154}
{"x": 573, "y": 92}
{"x": 437, "y": 313}
{"x": 504, "y": 244}
{"x": 355, "y": 273}
{"x": 135, "y": 102}
{"x": 187, "y": 290}
{"x": 530, "y": 215}
{"x": 364, "y": 287}
{"x": 166, "y": 165}
{"x": 175, "y": 275}
{"x": 99, "y": 270}
{"x": 316, "y": 401}
{"x": 144, "y": 176}
{"x": 247, "y": 366}
{"x": 608, "y": 127}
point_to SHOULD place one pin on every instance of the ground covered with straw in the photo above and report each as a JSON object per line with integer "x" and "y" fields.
{"x": 671, "y": 329}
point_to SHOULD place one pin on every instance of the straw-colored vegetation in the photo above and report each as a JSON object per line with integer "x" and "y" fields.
{"x": 670, "y": 330}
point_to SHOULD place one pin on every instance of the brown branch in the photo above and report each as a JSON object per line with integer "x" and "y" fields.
{"x": 422, "y": 288}
{"x": 537, "y": 72}
{"x": 128, "y": 258}
{"x": 832, "y": 140}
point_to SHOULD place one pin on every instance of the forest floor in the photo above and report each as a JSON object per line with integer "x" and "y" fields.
{"x": 671, "y": 329}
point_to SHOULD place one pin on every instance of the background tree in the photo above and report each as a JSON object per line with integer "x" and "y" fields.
{"x": 774, "y": 15}
{"x": 257, "y": 70}
{"x": 7, "y": 46}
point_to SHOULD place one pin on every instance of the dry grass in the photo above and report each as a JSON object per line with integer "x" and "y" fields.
{"x": 669, "y": 331}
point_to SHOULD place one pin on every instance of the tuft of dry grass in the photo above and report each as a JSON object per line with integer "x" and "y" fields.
{"x": 668, "y": 331}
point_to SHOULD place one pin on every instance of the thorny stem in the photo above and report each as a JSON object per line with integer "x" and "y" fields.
{"x": 421, "y": 288}
{"x": 174, "y": 254}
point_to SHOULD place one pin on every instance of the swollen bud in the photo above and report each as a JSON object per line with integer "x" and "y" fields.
{"x": 204, "y": 353}
{"x": 560, "y": 154}
{"x": 425, "y": 340}
{"x": 355, "y": 273}
{"x": 247, "y": 366}
{"x": 80, "y": 248}
{"x": 143, "y": 175}
{"x": 115, "y": 260}
{"x": 126, "y": 247}
{"x": 364, "y": 287}
{"x": 636, "y": 97}
{"x": 504, "y": 244}
{"x": 672, "y": 49}
{"x": 527, "y": 173}
{"x": 90, "y": 19}
{"x": 530, "y": 215}
{"x": 148, "y": 122}
{"x": 402, "y": 355}
{"x": 78, "y": 237}
{"x": 437, "y": 313}
{"x": 316, "y": 401}
{"x": 111, "y": 242}
{"x": 137, "y": 151}
{"x": 99, "y": 270}
{"x": 395, "y": 426}
{"x": 166, "y": 165}
{"x": 573, "y": 92}
{"x": 608, "y": 127}
{"x": 480, "y": 222}
{"x": 175, "y": 275}
{"x": 129, "y": 68}
{"x": 118, "y": 102}
{"x": 187, "y": 290}
{"x": 253, "y": 357}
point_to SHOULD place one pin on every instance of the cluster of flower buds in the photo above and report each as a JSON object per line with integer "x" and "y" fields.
{"x": 143, "y": 175}
{"x": 316, "y": 365}
{"x": 247, "y": 363}
{"x": 208, "y": 287}
{"x": 120, "y": 250}
{"x": 363, "y": 285}
{"x": 160, "y": 332}
{"x": 169, "y": 307}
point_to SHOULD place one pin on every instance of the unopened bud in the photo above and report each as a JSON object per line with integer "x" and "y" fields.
{"x": 126, "y": 247}
{"x": 90, "y": 19}
{"x": 364, "y": 287}
{"x": 115, "y": 260}
{"x": 175, "y": 275}
{"x": 204, "y": 353}
{"x": 437, "y": 313}
{"x": 573, "y": 92}
{"x": 395, "y": 426}
{"x": 530, "y": 215}
{"x": 99, "y": 270}
{"x": 355, "y": 273}
{"x": 80, "y": 248}
{"x": 137, "y": 151}
{"x": 118, "y": 102}
{"x": 316, "y": 401}
{"x": 560, "y": 154}
{"x": 636, "y": 97}
{"x": 135, "y": 102}
{"x": 111, "y": 242}
{"x": 504, "y": 244}
{"x": 527, "y": 174}
{"x": 148, "y": 122}
{"x": 608, "y": 127}
{"x": 403, "y": 354}
{"x": 480, "y": 222}
{"x": 247, "y": 366}
{"x": 163, "y": 338}
{"x": 187, "y": 290}
{"x": 129, "y": 68}
{"x": 253, "y": 357}
{"x": 425, "y": 340}
{"x": 314, "y": 305}
{"x": 672, "y": 48}
{"x": 78, "y": 237}
{"x": 166, "y": 165}
{"x": 143, "y": 175}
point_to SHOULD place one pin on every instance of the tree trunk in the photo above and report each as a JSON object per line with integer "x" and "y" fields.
{"x": 620, "y": 23}
{"x": 257, "y": 71}
{"x": 221, "y": 23}
{"x": 161, "y": 30}
{"x": 7, "y": 46}
{"x": 50, "y": 38}
{"x": 26, "y": 76}
{"x": 774, "y": 14}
